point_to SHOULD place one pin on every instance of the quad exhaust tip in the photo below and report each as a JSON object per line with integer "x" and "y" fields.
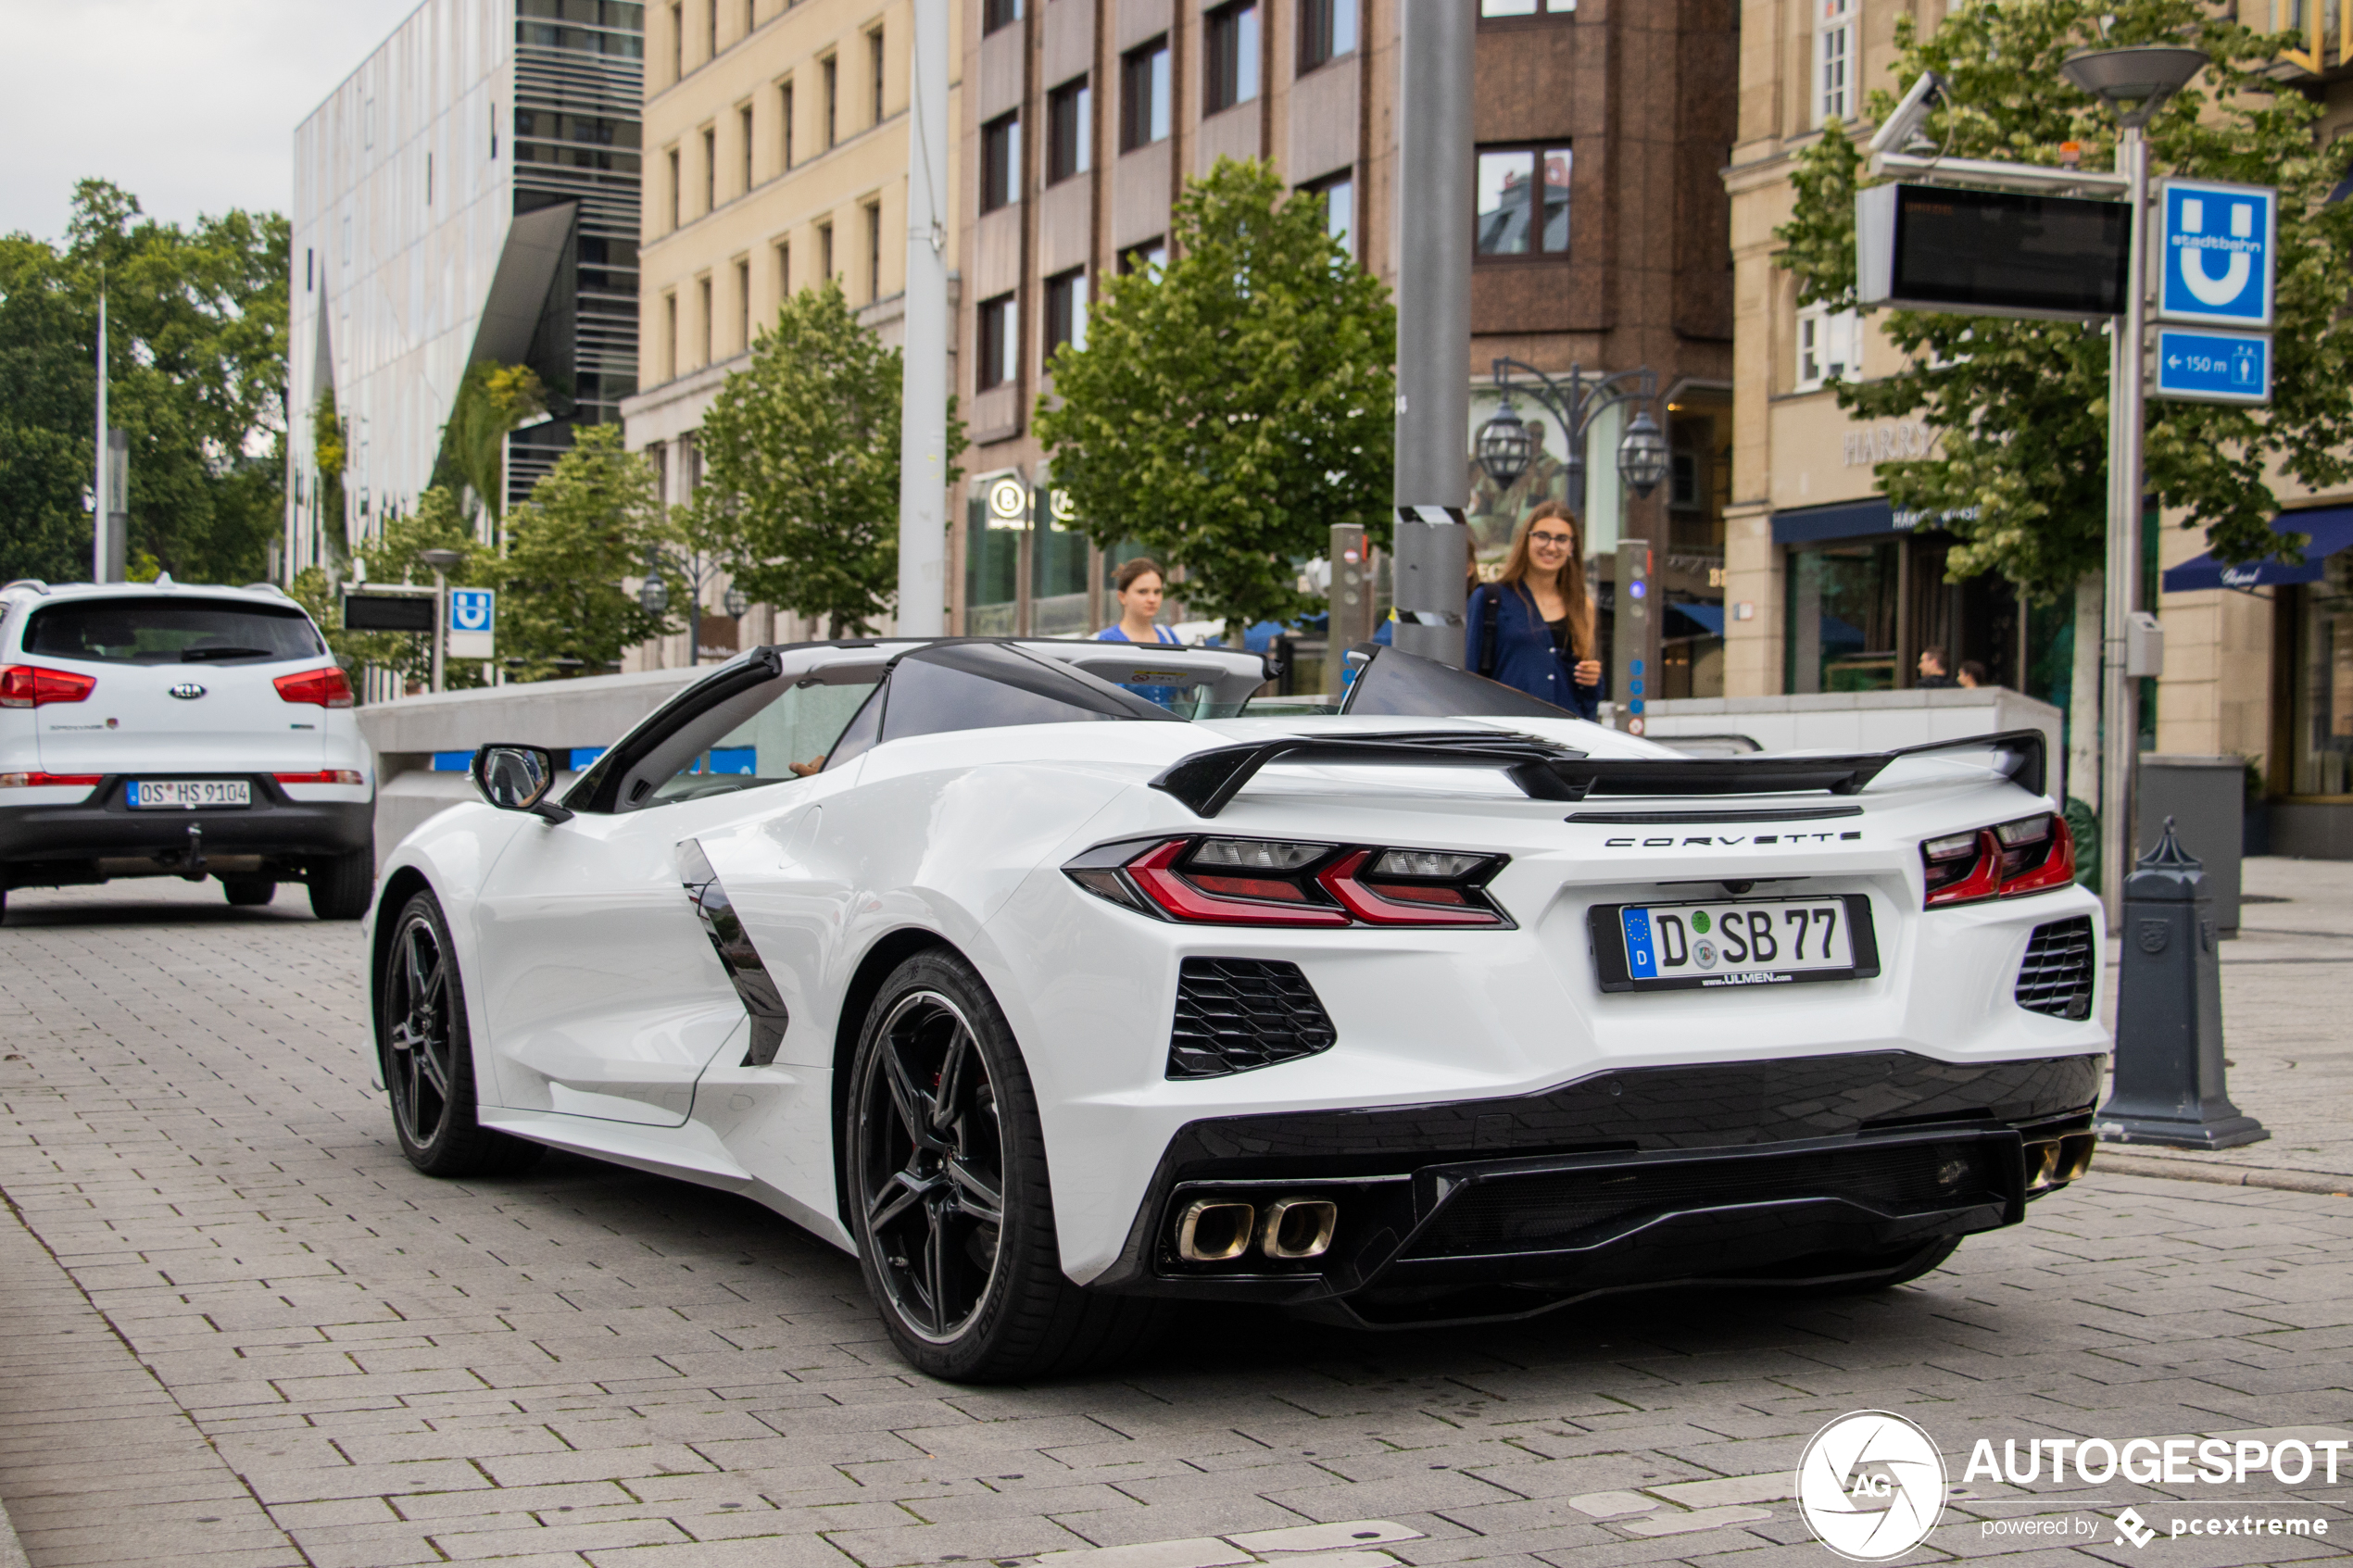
{"x": 2058, "y": 1161}
{"x": 1218, "y": 1230}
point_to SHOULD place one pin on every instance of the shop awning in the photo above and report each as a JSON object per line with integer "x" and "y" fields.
{"x": 1848, "y": 520}
{"x": 1709, "y": 618}
{"x": 2331, "y": 528}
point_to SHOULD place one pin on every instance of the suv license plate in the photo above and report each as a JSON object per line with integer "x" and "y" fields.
{"x": 152, "y": 795}
{"x": 1730, "y": 942}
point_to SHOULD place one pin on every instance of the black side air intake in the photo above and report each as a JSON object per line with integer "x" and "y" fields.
{"x": 1234, "y": 1014}
{"x": 2057, "y": 976}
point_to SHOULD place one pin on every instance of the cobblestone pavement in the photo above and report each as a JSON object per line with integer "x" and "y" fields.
{"x": 236, "y": 1328}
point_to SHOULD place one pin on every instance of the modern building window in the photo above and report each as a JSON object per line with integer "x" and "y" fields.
{"x": 995, "y": 14}
{"x": 1070, "y": 130}
{"x": 677, "y": 42}
{"x": 702, "y": 289}
{"x": 1829, "y": 347}
{"x": 709, "y": 169}
{"x": 875, "y": 74}
{"x": 826, "y": 250}
{"x": 1526, "y": 8}
{"x": 874, "y": 251}
{"x": 1143, "y": 95}
{"x": 1523, "y": 201}
{"x": 1834, "y": 61}
{"x": 714, "y": 19}
{"x": 675, "y": 197}
{"x": 1001, "y": 162}
{"x": 743, "y": 303}
{"x": 1066, "y": 310}
{"x": 784, "y": 119}
{"x": 1340, "y": 208}
{"x": 743, "y": 126}
{"x": 832, "y": 68}
{"x": 784, "y": 271}
{"x": 1000, "y": 341}
{"x": 669, "y": 337}
{"x": 1147, "y": 258}
{"x": 1230, "y": 50}
{"x": 1327, "y": 30}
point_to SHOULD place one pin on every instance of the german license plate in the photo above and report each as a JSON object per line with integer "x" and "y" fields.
{"x": 157, "y": 795}
{"x": 1734, "y": 942}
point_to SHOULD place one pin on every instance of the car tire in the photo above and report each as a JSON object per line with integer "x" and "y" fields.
{"x": 964, "y": 1298}
{"x": 427, "y": 1054}
{"x": 246, "y": 892}
{"x": 341, "y": 886}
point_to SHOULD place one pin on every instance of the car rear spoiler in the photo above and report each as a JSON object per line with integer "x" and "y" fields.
{"x": 1208, "y": 781}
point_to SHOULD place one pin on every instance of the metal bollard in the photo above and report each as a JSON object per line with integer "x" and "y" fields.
{"x": 2166, "y": 1086}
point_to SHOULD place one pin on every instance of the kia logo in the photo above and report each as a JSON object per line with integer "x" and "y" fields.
{"x": 187, "y": 691}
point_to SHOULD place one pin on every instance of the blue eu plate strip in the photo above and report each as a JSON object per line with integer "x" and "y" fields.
{"x": 1642, "y": 960}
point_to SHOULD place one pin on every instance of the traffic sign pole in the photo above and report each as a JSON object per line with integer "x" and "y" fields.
{"x": 2119, "y": 708}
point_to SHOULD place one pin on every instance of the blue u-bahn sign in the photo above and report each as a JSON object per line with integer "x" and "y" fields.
{"x": 2218, "y": 252}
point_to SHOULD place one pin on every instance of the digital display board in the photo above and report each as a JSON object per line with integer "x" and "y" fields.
{"x": 1990, "y": 253}
{"x": 387, "y": 613}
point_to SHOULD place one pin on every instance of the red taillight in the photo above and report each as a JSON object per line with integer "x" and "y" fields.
{"x": 30, "y": 685}
{"x": 2031, "y": 855}
{"x": 48, "y": 781}
{"x": 1254, "y": 882}
{"x": 324, "y": 776}
{"x": 326, "y": 687}
{"x": 1399, "y": 903}
{"x": 1185, "y": 899}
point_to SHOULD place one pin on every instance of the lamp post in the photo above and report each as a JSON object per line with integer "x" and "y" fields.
{"x": 1505, "y": 448}
{"x": 2135, "y": 83}
{"x": 442, "y": 562}
{"x": 700, "y": 572}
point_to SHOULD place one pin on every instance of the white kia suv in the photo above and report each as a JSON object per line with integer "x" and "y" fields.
{"x": 159, "y": 729}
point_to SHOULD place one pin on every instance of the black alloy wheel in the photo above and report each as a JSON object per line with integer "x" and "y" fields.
{"x": 947, "y": 1195}
{"x": 932, "y": 1176}
{"x": 428, "y": 1056}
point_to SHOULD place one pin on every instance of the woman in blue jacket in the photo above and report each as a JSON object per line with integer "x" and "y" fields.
{"x": 1532, "y": 628}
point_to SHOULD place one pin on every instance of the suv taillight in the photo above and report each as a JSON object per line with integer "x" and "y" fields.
{"x": 326, "y": 687}
{"x": 2031, "y": 855}
{"x": 1265, "y": 882}
{"x": 28, "y": 685}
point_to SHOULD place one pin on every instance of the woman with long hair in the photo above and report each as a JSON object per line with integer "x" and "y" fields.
{"x": 1532, "y": 628}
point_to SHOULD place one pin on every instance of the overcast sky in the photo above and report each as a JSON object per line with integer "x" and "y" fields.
{"x": 189, "y": 105}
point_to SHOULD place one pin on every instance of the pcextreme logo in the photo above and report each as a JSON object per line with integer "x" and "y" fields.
{"x": 1871, "y": 1485}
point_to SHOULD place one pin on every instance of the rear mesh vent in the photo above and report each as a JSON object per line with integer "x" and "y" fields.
{"x": 1234, "y": 1014}
{"x": 1556, "y": 1209}
{"x": 2057, "y": 976}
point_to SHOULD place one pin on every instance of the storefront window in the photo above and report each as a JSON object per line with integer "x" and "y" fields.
{"x": 2323, "y": 714}
{"x": 1840, "y": 635}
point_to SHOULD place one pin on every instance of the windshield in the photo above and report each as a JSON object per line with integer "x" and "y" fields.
{"x": 170, "y": 631}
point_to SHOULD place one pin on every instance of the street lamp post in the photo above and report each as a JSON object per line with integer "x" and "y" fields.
{"x": 700, "y": 572}
{"x": 2135, "y": 83}
{"x": 442, "y": 562}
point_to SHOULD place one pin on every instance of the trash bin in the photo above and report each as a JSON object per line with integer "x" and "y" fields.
{"x": 2207, "y": 798}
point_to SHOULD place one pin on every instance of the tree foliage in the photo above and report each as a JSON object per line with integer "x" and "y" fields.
{"x": 492, "y": 400}
{"x": 591, "y": 522}
{"x": 800, "y": 466}
{"x": 197, "y": 336}
{"x": 2021, "y": 406}
{"x": 1231, "y": 408}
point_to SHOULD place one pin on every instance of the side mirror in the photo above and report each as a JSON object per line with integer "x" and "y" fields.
{"x": 517, "y": 778}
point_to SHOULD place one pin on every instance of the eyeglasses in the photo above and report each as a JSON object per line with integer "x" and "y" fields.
{"x": 1562, "y": 540}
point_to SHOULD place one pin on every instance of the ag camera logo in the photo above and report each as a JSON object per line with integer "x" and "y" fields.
{"x": 1871, "y": 1485}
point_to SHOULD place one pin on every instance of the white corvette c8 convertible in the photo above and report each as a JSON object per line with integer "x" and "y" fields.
{"x": 1058, "y": 981}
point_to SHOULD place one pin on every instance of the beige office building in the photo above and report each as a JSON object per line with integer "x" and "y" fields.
{"x": 1831, "y": 589}
{"x": 775, "y": 137}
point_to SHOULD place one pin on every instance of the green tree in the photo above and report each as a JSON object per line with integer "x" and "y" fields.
{"x": 588, "y": 524}
{"x": 1229, "y": 409}
{"x": 492, "y": 400}
{"x": 801, "y": 477}
{"x": 2020, "y": 407}
{"x": 197, "y": 336}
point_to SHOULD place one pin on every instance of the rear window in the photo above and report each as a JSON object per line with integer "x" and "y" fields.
{"x": 170, "y": 631}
